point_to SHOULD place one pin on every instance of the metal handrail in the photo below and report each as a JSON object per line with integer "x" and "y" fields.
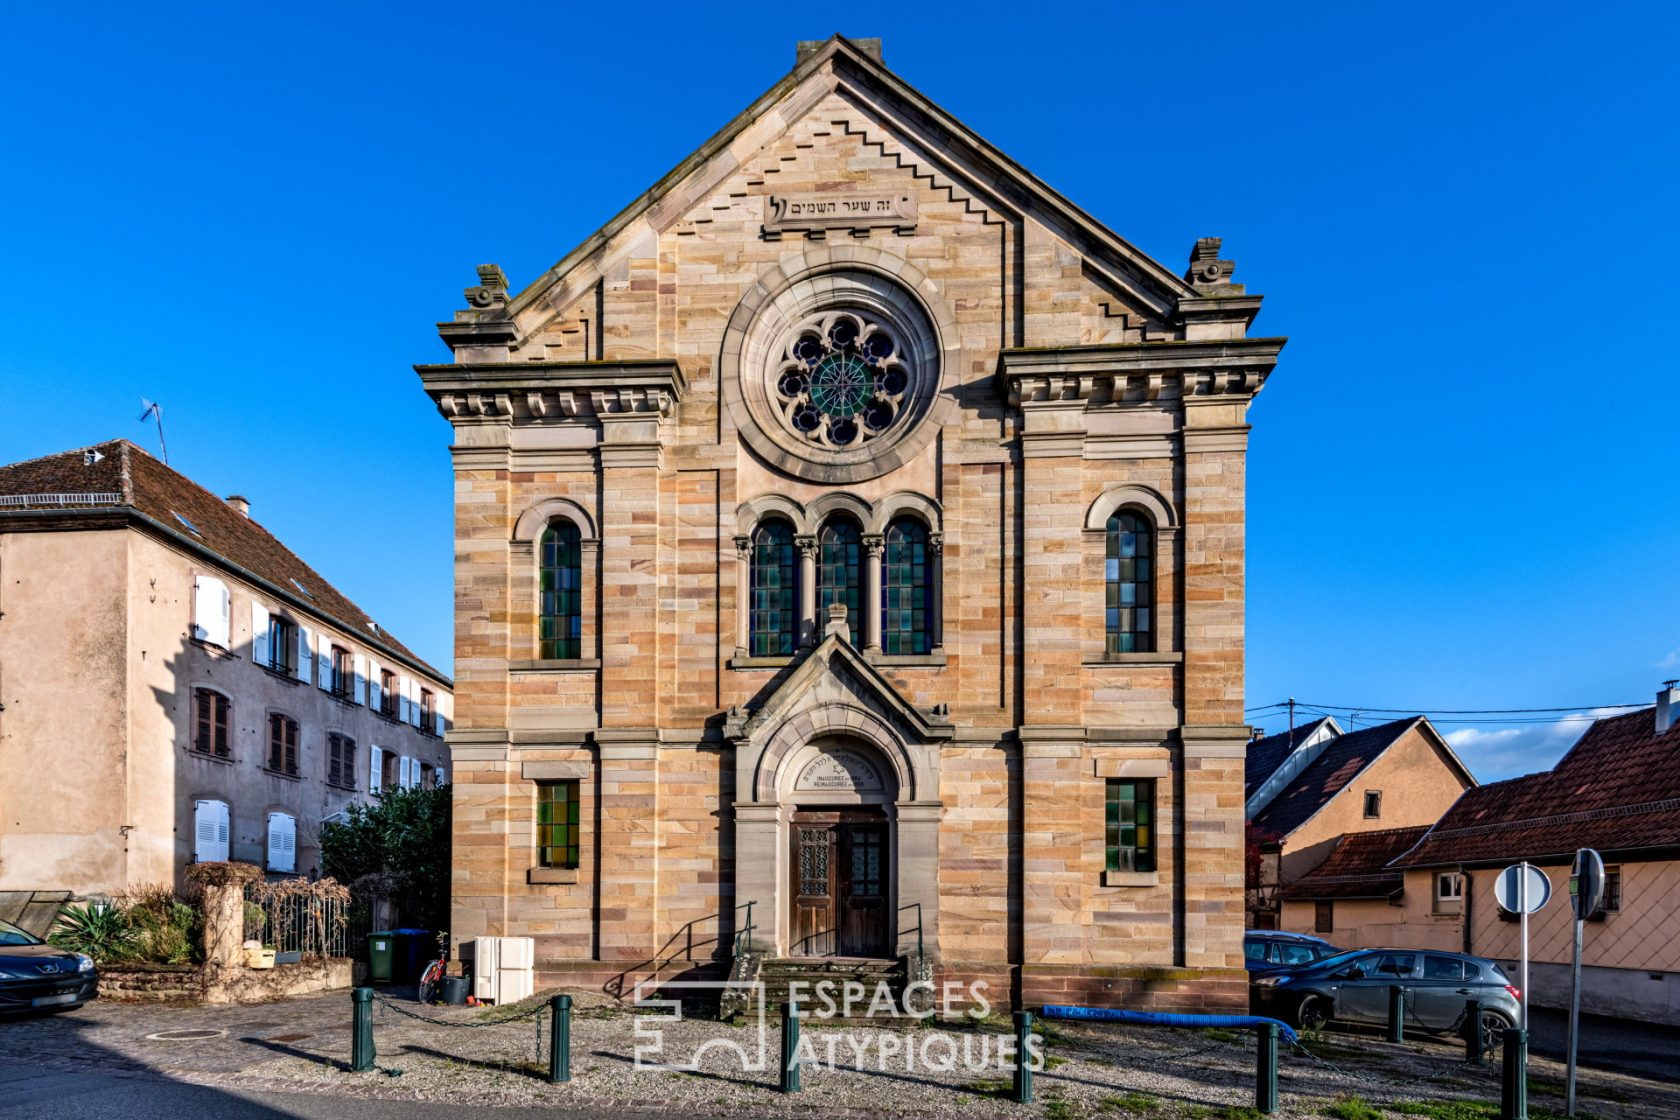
{"x": 921, "y": 950}
{"x": 742, "y": 935}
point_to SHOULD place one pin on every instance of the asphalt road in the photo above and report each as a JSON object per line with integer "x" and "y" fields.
{"x": 1613, "y": 1044}
{"x": 29, "y": 1092}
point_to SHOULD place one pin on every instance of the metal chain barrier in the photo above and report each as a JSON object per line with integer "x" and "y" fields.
{"x": 535, "y": 1014}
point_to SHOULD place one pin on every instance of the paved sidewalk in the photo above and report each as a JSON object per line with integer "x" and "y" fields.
{"x": 303, "y": 1045}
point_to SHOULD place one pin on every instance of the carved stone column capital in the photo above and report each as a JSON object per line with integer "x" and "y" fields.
{"x": 743, "y": 548}
{"x": 874, "y": 544}
{"x": 936, "y": 544}
{"x": 807, "y": 547}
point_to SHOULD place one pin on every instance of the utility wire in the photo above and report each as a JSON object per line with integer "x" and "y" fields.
{"x": 1364, "y": 709}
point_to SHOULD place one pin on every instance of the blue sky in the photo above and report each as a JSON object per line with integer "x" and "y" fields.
{"x": 1462, "y": 488}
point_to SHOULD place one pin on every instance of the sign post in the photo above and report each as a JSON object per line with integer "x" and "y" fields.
{"x": 1522, "y": 889}
{"x": 1586, "y": 893}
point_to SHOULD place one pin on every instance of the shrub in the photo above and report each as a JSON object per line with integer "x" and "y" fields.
{"x": 99, "y": 929}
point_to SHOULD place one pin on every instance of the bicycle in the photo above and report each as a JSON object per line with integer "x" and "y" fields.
{"x": 431, "y": 979}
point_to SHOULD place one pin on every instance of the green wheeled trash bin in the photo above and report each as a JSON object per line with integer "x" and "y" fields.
{"x": 382, "y": 956}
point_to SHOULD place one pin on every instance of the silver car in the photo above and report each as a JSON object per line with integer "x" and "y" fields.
{"x": 1352, "y": 987}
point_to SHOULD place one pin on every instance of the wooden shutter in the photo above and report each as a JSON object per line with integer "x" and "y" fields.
{"x": 259, "y": 635}
{"x": 323, "y": 663}
{"x": 211, "y": 610}
{"x": 376, "y": 698}
{"x": 360, "y": 663}
{"x": 445, "y": 712}
{"x": 290, "y": 727}
{"x": 210, "y": 831}
{"x": 306, "y": 658}
{"x": 282, "y": 842}
{"x": 437, "y": 777}
{"x": 374, "y": 761}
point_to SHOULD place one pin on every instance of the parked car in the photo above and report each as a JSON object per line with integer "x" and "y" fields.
{"x": 35, "y": 975}
{"x": 1268, "y": 949}
{"x": 1352, "y": 987}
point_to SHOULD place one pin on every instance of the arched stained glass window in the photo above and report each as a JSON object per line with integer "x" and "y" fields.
{"x": 906, "y": 594}
{"x": 560, "y": 614}
{"x": 773, "y": 625}
{"x": 1131, "y": 583}
{"x": 839, "y": 562}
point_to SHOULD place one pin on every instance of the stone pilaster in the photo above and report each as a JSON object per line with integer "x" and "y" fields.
{"x": 628, "y": 846}
{"x": 629, "y": 583}
{"x": 1054, "y": 846}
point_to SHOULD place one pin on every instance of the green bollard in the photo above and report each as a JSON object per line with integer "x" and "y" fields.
{"x": 1513, "y": 1081}
{"x": 1396, "y": 1013}
{"x": 1022, "y": 1088}
{"x": 1265, "y": 1067}
{"x": 1473, "y": 1031}
{"x": 790, "y": 1046}
{"x": 361, "y": 1031}
{"x": 559, "y": 1039}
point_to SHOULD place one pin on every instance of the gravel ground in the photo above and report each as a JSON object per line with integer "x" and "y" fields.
{"x": 1095, "y": 1071}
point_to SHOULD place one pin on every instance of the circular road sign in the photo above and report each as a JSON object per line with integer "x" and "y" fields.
{"x": 1508, "y": 888}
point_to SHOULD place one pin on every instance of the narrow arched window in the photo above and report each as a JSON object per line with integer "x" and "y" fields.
{"x": 560, "y": 616}
{"x": 906, "y": 598}
{"x": 773, "y": 625}
{"x": 839, "y": 562}
{"x": 1131, "y": 583}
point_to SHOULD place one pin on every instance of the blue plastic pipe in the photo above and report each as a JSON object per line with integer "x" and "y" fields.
{"x": 1167, "y": 1019}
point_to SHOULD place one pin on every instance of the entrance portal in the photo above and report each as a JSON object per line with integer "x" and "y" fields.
{"x": 839, "y": 888}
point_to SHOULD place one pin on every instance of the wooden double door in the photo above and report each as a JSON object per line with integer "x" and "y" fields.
{"x": 840, "y": 871}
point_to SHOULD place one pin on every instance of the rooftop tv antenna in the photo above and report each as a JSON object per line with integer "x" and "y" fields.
{"x": 153, "y": 409}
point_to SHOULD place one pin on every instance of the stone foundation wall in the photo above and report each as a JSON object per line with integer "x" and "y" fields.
{"x": 152, "y": 985}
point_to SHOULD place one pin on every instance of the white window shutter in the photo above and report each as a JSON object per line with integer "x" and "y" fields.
{"x": 282, "y": 842}
{"x": 201, "y": 608}
{"x": 306, "y": 659}
{"x": 437, "y": 778}
{"x": 412, "y": 776}
{"x": 224, "y": 623}
{"x": 211, "y": 605}
{"x": 374, "y": 767}
{"x": 210, "y": 831}
{"x": 445, "y": 713}
{"x": 323, "y": 664}
{"x": 360, "y": 663}
{"x": 375, "y": 696}
{"x": 259, "y": 633}
{"x": 402, "y": 698}
{"x": 414, "y": 701}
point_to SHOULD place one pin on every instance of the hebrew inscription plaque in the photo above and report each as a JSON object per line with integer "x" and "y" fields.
{"x": 815, "y": 214}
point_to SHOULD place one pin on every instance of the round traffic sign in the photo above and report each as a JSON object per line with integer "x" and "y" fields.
{"x": 1508, "y": 888}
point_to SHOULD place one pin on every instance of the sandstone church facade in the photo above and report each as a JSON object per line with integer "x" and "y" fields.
{"x": 849, "y": 563}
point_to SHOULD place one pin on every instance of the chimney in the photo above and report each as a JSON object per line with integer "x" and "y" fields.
{"x": 238, "y": 502}
{"x": 1668, "y": 706}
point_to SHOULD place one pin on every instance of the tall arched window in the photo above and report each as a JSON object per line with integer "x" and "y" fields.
{"x": 906, "y": 593}
{"x": 839, "y": 562}
{"x": 560, "y": 614}
{"x": 1131, "y": 583}
{"x": 773, "y": 625}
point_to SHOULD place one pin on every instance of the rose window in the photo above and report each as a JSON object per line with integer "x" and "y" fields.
{"x": 841, "y": 381}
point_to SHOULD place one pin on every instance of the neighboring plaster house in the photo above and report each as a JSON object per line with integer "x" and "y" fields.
{"x": 1309, "y": 788}
{"x": 177, "y": 686}
{"x": 850, "y": 534}
{"x": 1617, "y": 791}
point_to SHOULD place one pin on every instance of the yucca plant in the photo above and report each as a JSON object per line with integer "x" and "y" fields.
{"x": 98, "y": 929}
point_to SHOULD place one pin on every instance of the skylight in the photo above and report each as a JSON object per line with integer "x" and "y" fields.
{"x": 191, "y": 528}
{"x": 302, "y": 588}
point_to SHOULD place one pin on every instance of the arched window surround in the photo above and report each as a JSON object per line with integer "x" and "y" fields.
{"x": 526, "y": 556}
{"x": 873, "y": 518}
{"x": 1162, "y": 518}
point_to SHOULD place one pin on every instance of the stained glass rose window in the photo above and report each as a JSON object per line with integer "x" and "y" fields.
{"x": 841, "y": 381}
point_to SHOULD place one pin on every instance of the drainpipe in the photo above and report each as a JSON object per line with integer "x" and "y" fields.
{"x": 1465, "y": 912}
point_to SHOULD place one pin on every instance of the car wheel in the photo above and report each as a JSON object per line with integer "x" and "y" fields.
{"x": 1313, "y": 1014}
{"x": 1494, "y": 1026}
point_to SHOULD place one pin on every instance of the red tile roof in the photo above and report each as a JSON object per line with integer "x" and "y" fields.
{"x": 1618, "y": 789}
{"x": 1357, "y": 867}
{"x": 125, "y": 477}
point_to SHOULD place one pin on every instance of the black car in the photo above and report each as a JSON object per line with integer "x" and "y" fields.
{"x": 1267, "y": 949}
{"x": 1353, "y": 987}
{"x": 35, "y": 976}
